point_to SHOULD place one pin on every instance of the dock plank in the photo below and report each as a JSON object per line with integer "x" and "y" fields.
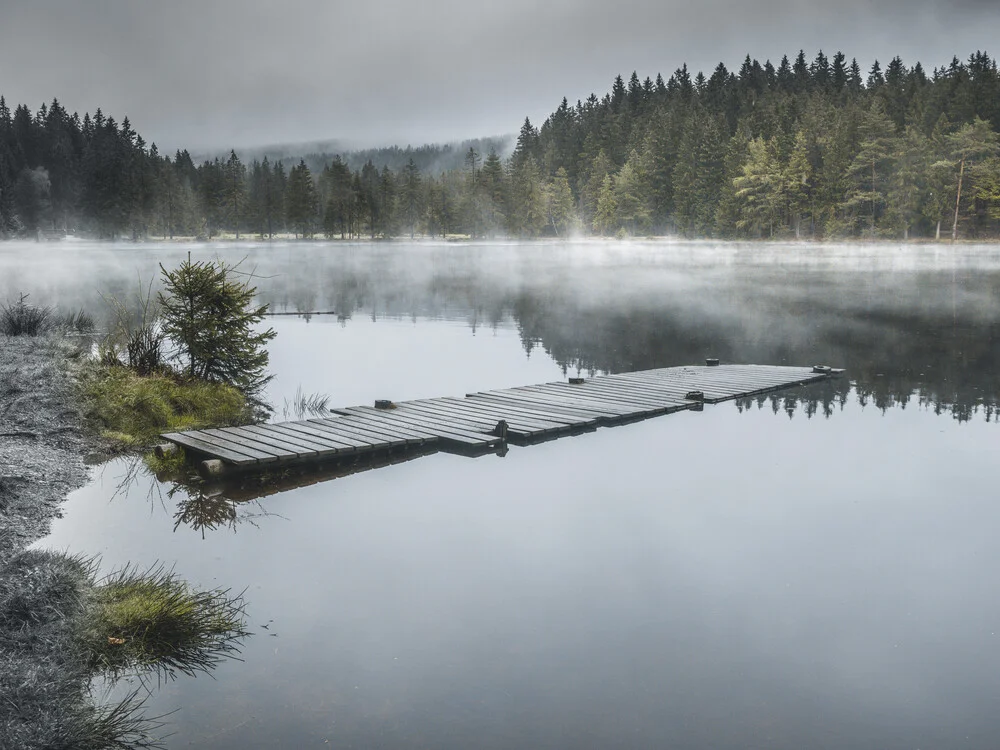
{"x": 556, "y": 409}
{"x": 313, "y": 437}
{"x": 452, "y": 433}
{"x": 515, "y": 422}
{"x": 338, "y": 437}
{"x": 536, "y": 415}
{"x": 322, "y": 449}
{"x": 195, "y": 443}
{"x": 240, "y": 446}
{"x": 269, "y": 440}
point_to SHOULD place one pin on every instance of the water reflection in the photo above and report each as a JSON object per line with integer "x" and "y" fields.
{"x": 830, "y": 396}
{"x": 207, "y": 506}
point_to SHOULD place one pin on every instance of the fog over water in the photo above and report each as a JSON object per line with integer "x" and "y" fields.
{"x": 808, "y": 569}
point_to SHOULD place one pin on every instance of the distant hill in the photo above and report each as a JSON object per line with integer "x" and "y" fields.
{"x": 432, "y": 158}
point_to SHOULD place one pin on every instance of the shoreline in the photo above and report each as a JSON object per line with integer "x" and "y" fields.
{"x": 462, "y": 239}
{"x": 43, "y": 438}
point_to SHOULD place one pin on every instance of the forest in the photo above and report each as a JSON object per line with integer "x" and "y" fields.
{"x": 806, "y": 150}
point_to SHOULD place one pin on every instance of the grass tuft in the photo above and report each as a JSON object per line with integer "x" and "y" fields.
{"x": 21, "y": 319}
{"x": 305, "y": 405}
{"x": 131, "y": 411}
{"x": 153, "y": 621}
{"x": 80, "y": 321}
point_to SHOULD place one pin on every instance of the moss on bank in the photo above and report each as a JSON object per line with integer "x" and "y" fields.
{"x": 131, "y": 411}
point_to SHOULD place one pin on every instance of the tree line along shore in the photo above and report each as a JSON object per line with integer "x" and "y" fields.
{"x": 807, "y": 149}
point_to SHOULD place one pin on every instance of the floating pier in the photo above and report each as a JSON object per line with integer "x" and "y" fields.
{"x": 484, "y": 422}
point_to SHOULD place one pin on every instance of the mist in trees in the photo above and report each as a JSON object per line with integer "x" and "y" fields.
{"x": 805, "y": 149}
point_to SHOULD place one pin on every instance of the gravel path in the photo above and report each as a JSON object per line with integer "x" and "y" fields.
{"x": 42, "y": 439}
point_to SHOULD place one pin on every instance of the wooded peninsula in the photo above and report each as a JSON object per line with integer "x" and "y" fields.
{"x": 810, "y": 150}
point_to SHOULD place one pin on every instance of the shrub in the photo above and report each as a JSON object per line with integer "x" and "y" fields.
{"x": 22, "y": 319}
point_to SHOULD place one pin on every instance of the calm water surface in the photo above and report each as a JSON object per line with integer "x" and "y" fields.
{"x": 815, "y": 569}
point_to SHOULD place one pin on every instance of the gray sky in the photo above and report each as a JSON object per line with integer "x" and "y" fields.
{"x": 215, "y": 73}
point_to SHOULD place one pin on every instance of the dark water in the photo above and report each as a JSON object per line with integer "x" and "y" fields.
{"x": 810, "y": 570}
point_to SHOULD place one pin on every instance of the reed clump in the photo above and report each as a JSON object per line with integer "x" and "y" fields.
{"x": 142, "y": 621}
{"x": 23, "y": 319}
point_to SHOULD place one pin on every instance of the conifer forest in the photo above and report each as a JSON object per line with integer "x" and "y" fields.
{"x": 816, "y": 149}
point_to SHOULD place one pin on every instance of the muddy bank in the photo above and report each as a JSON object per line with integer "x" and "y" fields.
{"x": 42, "y": 437}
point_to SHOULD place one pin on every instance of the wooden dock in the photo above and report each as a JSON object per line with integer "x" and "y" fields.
{"x": 484, "y": 422}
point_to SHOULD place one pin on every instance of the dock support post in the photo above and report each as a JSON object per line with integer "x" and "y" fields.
{"x": 165, "y": 450}
{"x": 211, "y": 468}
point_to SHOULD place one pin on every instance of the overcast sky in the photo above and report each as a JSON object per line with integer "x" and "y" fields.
{"x": 216, "y": 73}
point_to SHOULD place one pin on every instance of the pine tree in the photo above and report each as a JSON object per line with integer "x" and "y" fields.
{"x": 234, "y": 191}
{"x": 208, "y": 311}
{"x": 972, "y": 143}
{"x": 869, "y": 170}
{"x": 758, "y": 188}
{"x": 607, "y": 207}
{"x": 631, "y": 193}
{"x": 301, "y": 203}
{"x": 411, "y": 196}
{"x": 560, "y": 204}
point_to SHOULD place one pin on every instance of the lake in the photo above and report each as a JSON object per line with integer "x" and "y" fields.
{"x": 809, "y": 569}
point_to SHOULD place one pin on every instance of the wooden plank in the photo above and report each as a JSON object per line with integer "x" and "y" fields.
{"x": 714, "y": 375}
{"x": 672, "y": 383}
{"x": 742, "y": 388}
{"x": 724, "y": 370}
{"x": 734, "y": 388}
{"x": 324, "y": 448}
{"x": 571, "y": 398}
{"x": 465, "y": 437}
{"x": 394, "y": 426}
{"x": 501, "y": 412}
{"x": 277, "y": 437}
{"x": 355, "y": 442}
{"x": 392, "y": 418}
{"x": 326, "y": 440}
{"x": 267, "y": 443}
{"x": 374, "y": 418}
{"x": 238, "y": 445}
{"x": 633, "y": 405}
{"x": 366, "y": 441}
{"x": 374, "y": 437}
{"x": 647, "y": 393}
{"x": 683, "y": 378}
{"x": 679, "y": 388}
{"x": 363, "y": 424}
{"x": 518, "y": 423}
{"x": 607, "y": 411}
{"x": 189, "y": 440}
{"x": 569, "y": 411}
{"x": 441, "y": 419}
{"x": 626, "y": 396}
